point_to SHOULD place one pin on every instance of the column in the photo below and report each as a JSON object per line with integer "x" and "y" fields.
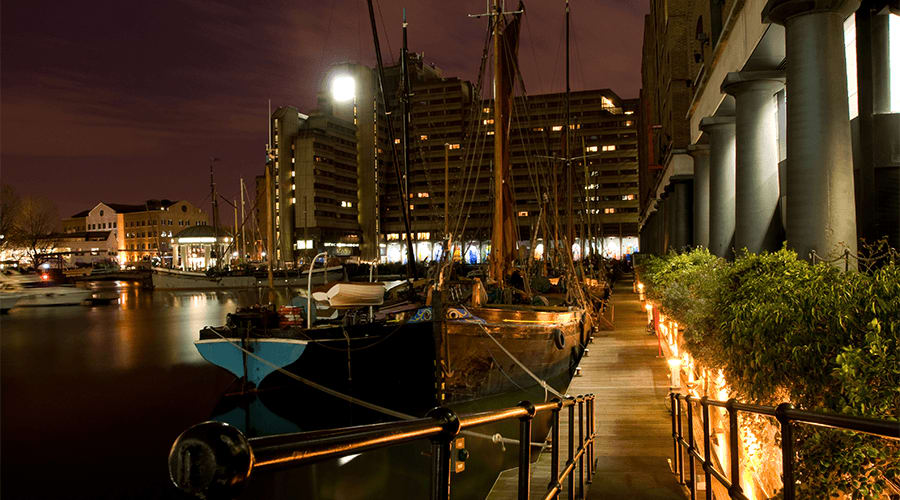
{"x": 821, "y": 215}
{"x": 680, "y": 199}
{"x": 721, "y": 183}
{"x": 757, "y": 221}
{"x": 700, "y": 153}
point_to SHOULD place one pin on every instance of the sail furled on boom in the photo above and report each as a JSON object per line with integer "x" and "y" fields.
{"x": 506, "y": 46}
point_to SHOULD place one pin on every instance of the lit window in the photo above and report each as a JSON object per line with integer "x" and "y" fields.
{"x": 486, "y": 110}
{"x": 422, "y": 195}
{"x": 591, "y": 149}
{"x": 610, "y": 147}
{"x": 293, "y": 187}
{"x": 293, "y": 201}
{"x": 628, "y": 123}
{"x": 423, "y": 137}
{"x": 292, "y": 174}
{"x": 627, "y": 197}
{"x": 490, "y": 132}
{"x": 629, "y": 112}
{"x": 557, "y": 128}
{"x": 537, "y": 129}
{"x": 606, "y": 103}
{"x": 609, "y": 210}
{"x": 454, "y": 146}
{"x": 423, "y": 236}
{"x": 489, "y": 121}
{"x": 411, "y": 207}
{"x": 396, "y": 141}
{"x": 523, "y": 214}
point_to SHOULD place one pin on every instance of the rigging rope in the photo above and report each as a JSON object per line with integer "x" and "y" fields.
{"x": 495, "y": 438}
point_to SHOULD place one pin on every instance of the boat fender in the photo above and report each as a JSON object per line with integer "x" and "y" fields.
{"x": 559, "y": 339}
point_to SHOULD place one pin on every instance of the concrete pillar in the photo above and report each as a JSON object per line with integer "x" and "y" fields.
{"x": 757, "y": 221}
{"x": 821, "y": 215}
{"x": 881, "y": 62}
{"x": 721, "y": 183}
{"x": 700, "y": 153}
{"x": 680, "y": 199}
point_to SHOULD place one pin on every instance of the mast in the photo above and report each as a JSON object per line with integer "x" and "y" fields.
{"x": 498, "y": 270}
{"x": 215, "y": 211}
{"x": 243, "y": 224}
{"x": 270, "y": 157}
{"x": 410, "y": 262}
{"x": 406, "y": 110}
{"x": 570, "y": 226}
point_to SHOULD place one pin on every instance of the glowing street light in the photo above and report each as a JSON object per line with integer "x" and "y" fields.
{"x": 343, "y": 88}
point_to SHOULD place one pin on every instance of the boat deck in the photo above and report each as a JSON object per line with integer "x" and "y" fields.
{"x": 632, "y": 422}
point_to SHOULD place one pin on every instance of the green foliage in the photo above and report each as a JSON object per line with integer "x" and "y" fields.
{"x": 781, "y": 328}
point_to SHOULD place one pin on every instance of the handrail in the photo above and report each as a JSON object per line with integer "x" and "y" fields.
{"x": 215, "y": 459}
{"x": 786, "y": 415}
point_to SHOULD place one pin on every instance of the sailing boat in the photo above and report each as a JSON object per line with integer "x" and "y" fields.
{"x": 425, "y": 345}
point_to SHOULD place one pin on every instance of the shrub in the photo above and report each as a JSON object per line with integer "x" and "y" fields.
{"x": 781, "y": 328}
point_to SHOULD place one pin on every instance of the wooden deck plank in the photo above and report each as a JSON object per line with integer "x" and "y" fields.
{"x": 631, "y": 420}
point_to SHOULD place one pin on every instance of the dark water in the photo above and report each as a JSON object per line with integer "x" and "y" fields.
{"x": 93, "y": 397}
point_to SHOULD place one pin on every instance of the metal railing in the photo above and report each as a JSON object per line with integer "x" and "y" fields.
{"x": 785, "y": 414}
{"x": 214, "y": 459}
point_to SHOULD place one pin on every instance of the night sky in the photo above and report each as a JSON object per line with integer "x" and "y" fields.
{"x": 125, "y": 101}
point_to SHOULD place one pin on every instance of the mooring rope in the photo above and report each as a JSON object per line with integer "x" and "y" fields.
{"x": 495, "y": 438}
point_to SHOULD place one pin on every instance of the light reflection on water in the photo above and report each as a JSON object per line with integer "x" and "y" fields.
{"x": 96, "y": 384}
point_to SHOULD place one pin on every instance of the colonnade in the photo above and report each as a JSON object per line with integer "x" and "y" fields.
{"x": 736, "y": 185}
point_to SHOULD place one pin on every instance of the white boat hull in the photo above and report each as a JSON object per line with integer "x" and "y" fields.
{"x": 171, "y": 279}
{"x": 8, "y": 301}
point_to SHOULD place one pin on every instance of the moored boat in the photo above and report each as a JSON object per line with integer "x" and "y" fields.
{"x": 175, "y": 279}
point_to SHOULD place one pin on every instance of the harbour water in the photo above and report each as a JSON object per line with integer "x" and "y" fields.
{"x": 93, "y": 397}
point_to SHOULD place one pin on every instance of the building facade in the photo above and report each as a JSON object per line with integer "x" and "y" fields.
{"x": 449, "y": 169}
{"x": 770, "y": 121}
{"x": 140, "y": 232}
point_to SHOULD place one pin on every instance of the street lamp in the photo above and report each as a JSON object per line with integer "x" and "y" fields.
{"x": 343, "y": 88}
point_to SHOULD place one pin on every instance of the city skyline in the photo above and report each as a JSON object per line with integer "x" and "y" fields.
{"x": 144, "y": 97}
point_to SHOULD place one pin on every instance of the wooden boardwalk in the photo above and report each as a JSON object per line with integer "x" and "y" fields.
{"x": 630, "y": 416}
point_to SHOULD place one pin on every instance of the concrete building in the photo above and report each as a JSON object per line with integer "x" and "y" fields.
{"x": 140, "y": 232}
{"x": 450, "y": 142}
{"x": 315, "y": 187}
{"x": 781, "y": 137}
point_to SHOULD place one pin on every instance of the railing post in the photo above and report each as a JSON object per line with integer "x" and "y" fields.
{"x": 581, "y": 446}
{"x": 525, "y": 451}
{"x": 680, "y": 438}
{"x": 590, "y": 443}
{"x": 571, "y": 482}
{"x": 704, "y": 404}
{"x": 441, "y": 450}
{"x": 692, "y": 472}
{"x": 787, "y": 449}
{"x": 554, "y": 450}
{"x": 735, "y": 489}
{"x": 672, "y": 403}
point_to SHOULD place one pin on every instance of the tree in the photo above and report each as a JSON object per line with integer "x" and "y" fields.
{"x": 9, "y": 210}
{"x": 35, "y": 227}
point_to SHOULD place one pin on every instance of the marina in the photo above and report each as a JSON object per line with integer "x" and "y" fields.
{"x": 553, "y": 259}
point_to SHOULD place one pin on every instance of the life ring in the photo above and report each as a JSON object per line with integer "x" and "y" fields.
{"x": 559, "y": 339}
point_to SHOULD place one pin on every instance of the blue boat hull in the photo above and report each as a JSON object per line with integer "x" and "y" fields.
{"x": 278, "y": 352}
